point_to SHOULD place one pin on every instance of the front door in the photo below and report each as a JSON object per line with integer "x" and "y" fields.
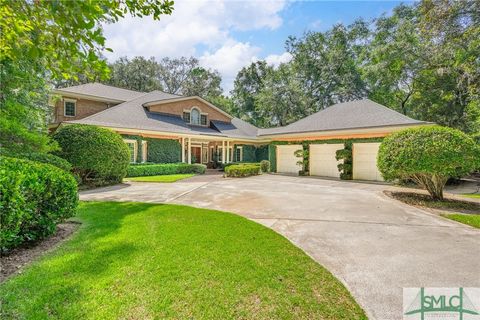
{"x": 196, "y": 154}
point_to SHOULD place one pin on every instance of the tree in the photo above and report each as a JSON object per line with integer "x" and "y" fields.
{"x": 97, "y": 155}
{"x": 328, "y": 64}
{"x": 203, "y": 82}
{"x": 138, "y": 74}
{"x": 281, "y": 100}
{"x": 40, "y": 40}
{"x": 174, "y": 73}
{"x": 428, "y": 156}
{"x": 247, "y": 85}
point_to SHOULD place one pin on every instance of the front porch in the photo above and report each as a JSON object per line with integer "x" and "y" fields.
{"x": 210, "y": 152}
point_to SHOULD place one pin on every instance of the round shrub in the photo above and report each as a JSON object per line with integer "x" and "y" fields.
{"x": 428, "y": 156}
{"x": 46, "y": 158}
{"x": 99, "y": 156}
{"x": 265, "y": 165}
{"x": 34, "y": 197}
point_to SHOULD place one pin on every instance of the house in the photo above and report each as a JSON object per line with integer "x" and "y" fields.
{"x": 162, "y": 127}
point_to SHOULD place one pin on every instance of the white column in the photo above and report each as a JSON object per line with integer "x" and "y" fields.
{"x": 183, "y": 149}
{"x": 189, "y": 154}
{"x": 223, "y": 151}
{"x": 228, "y": 151}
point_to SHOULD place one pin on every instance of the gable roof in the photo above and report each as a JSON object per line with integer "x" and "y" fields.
{"x": 98, "y": 90}
{"x": 133, "y": 115}
{"x": 347, "y": 115}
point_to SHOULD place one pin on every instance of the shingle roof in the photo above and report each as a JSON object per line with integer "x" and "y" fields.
{"x": 348, "y": 115}
{"x": 132, "y": 115}
{"x": 102, "y": 91}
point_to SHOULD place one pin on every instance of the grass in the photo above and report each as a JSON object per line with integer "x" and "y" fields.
{"x": 145, "y": 261}
{"x": 163, "y": 178}
{"x": 472, "y": 195}
{"x": 470, "y": 219}
{"x": 423, "y": 200}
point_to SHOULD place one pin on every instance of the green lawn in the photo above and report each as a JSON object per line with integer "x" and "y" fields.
{"x": 165, "y": 178}
{"x": 146, "y": 261}
{"x": 470, "y": 219}
{"x": 472, "y": 195}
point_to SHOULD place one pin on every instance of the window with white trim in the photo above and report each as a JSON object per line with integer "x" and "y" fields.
{"x": 69, "y": 108}
{"x": 132, "y": 147}
{"x": 195, "y": 116}
{"x": 238, "y": 154}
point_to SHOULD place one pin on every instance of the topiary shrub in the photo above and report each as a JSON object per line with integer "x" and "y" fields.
{"x": 265, "y": 165}
{"x": 46, "y": 158}
{"x": 428, "y": 156}
{"x": 140, "y": 170}
{"x": 242, "y": 170}
{"x": 34, "y": 198}
{"x": 99, "y": 156}
{"x": 345, "y": 168}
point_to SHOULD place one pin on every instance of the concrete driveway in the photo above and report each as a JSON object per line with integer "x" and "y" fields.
{"x": 375, "y": 245}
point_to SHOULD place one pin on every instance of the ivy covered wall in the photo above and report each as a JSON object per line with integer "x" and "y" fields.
{"x": 158, "y": 150}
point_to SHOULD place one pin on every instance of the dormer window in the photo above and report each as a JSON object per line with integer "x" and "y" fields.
{"x": 195, "y": 117}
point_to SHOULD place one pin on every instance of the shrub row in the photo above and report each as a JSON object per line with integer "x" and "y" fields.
{"x": 34, "y": 197}
{"x": 46, "y": 158}
{"x": 139, "y": 170}
{"x": 243, "y": 170}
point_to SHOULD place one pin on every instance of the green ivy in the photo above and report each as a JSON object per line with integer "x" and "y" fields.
{"x": 307, "y": 143}
{"x": 158, "y": 150}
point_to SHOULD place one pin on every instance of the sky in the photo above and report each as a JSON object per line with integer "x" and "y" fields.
{"x": 227, "y": 35}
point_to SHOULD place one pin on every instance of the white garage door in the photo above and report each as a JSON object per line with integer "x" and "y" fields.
{"x": 322, "y": 160}
{"x": 286, "y": 159}
{"x": 365, "y": 161}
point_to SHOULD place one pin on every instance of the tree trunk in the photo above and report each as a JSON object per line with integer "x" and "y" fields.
{"x": 433, "y": 183}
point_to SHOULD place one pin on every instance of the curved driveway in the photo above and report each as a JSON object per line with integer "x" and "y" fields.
{"x": 373, "y": 244}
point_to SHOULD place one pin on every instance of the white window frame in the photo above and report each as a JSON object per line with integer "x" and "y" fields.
{"x": 65, "y": 107}
{"x": 144, "y": 151}
{"x": 200, "y": 116}
{"x": 135, "y": 149}
{"x": 241, "y": 154}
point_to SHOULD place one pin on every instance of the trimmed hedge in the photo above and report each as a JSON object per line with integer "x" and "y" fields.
{"x": 242, "y": 170}
{"x": 46, "y": 158}
{"x": 149, "y": 169}
{"x": 34, "y": 198}
{"x": 429, "y": 156}
{"x": 265, "y": 165}
{"x": 99, "y": 156}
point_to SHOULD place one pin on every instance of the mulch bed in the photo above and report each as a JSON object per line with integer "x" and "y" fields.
{"x": 425, "y": 201}
{"x": 20, "y": 257}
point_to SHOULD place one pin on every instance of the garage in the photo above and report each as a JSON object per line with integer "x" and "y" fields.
{"x": 322, "y": 160}
{"x": 365, "y": 161}
{"x": 286, "y": 159}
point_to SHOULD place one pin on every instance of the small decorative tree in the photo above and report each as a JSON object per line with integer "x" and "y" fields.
{"x": 428, "y": 156}
{"x": 345, "y": 168}
{"x": 303, "y": 155}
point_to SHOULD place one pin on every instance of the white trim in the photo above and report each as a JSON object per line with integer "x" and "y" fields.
{"x": 144, "y": 151}
{"x": 135, "y": 148}
{"x": 74, "y": 101}
{"x": 86, "y": 96}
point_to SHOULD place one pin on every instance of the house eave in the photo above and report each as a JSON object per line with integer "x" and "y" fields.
{"x": 85, "y": 96}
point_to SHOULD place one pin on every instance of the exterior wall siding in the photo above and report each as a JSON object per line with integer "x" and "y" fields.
{"x": 178, "y": 107}
{"x": 84, "y": 108}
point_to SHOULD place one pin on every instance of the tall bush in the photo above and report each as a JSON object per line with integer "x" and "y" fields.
{"x": 99, "y": 156}
{"x": 428, "y": 156}
{"x": 34, "y": 197}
